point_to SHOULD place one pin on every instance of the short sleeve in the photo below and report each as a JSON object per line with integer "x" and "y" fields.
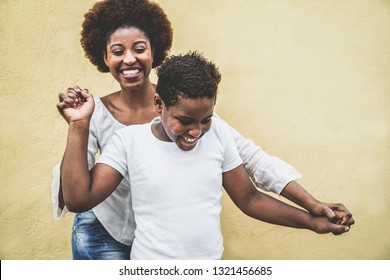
{"x": 114, "y": 153}
{"x": 268, "y": 172}
{"x": 231, "y": 156}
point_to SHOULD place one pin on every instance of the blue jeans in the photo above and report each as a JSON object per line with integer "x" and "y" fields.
{"x": 91, "y": 241}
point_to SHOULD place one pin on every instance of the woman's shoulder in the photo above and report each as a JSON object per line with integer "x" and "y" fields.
{"x": 101, "y": 112}
{"x": 104, "y": 103}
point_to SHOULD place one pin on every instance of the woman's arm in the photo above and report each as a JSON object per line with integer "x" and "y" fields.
{"x": 335, "y": 212}
{"x": 265, "y": 208}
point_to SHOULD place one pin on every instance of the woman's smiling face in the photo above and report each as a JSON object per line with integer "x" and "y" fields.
{"x": 129, "y": 57}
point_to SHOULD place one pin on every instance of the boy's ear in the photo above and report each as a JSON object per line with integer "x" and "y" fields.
{"x": 158, "y": 103}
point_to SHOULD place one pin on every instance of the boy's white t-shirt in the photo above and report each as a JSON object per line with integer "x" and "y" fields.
{"x": 115, "y": 213}
{"x": 175, "y": 194}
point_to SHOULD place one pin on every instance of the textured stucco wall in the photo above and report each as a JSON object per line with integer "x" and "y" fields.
{"x": 306, "y": 80}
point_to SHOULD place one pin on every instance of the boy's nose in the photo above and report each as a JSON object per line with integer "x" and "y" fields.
{"x": 196, "y": 132}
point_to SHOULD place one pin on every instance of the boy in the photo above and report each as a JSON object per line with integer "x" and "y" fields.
{"x": 176, "y": 166}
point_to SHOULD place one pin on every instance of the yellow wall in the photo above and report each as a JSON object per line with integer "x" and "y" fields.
{"x": 307, "y": 80}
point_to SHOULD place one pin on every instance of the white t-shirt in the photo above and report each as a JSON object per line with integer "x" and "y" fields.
{"x": 176, "y": 194}
{"x": 115, "y": 213}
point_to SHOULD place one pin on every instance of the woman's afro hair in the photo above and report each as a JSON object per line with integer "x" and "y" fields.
{"x": 188, "y": 75}
{"x": 108, "y": 15}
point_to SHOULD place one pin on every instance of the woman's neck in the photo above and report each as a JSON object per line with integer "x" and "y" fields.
{"x": 137, "y": 99}
{"x": 132, "y": 106}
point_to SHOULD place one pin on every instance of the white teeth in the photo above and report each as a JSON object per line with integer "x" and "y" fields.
{"x": 189, "y": 139}
{"x": 131, "y": 72}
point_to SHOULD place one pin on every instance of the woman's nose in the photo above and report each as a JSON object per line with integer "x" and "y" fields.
{"x": 129, "y": 58}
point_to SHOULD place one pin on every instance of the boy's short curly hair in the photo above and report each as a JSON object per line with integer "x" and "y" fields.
{"x": 108, "y": 15}
{"x": 188, "y": 75}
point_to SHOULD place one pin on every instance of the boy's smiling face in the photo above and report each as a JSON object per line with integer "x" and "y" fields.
{"x": 185, "y": 122}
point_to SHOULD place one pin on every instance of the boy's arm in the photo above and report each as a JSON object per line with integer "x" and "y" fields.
{"x": 56, "y": 188}
{"x": 273, "y": 174}
{"x": 65, "y": 99}
{"x": 265, "y": 208}
{"x": 83, "y": 189}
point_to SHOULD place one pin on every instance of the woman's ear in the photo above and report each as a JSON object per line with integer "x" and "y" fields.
{"x": 105, "y": 58}
{"x": 158, "y": 103}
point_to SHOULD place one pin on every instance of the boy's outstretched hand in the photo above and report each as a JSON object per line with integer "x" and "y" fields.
{"x": 76, "y": 105}
{"x": 323, "y": 225}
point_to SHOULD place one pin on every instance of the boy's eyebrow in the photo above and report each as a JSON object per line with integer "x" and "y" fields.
{"x": 210, "y": 116}
{"x": 190, "y": 118}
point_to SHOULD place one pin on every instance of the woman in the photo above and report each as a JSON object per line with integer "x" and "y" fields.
{"x": 129, "y": 39}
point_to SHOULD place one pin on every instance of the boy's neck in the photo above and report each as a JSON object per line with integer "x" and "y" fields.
{"x": 159, "y": 132}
